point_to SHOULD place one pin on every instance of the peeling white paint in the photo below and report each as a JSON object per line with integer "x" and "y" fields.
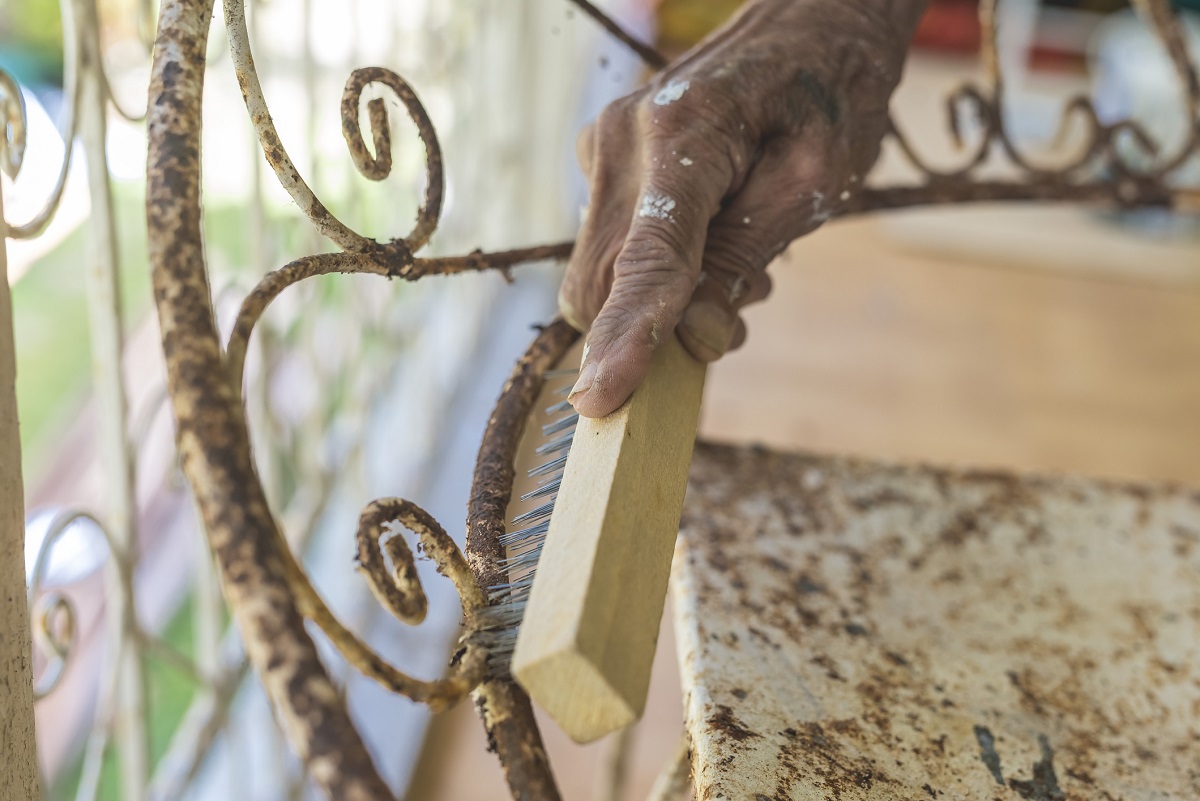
{"x": 738, "y": 290}
{"x": 657, "y": 206}
{"x": 819, "y": 213}
{"x": 656, "y": 327}
{"x": 670, "y": 93}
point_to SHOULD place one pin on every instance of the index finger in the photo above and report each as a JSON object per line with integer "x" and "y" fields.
{"x": 683, "y": 180}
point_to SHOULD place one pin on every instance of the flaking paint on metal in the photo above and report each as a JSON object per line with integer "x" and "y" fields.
{"x": 856, "y": 631}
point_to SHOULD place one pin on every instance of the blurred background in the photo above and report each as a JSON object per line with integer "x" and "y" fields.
{"x": 1033, "y": 337}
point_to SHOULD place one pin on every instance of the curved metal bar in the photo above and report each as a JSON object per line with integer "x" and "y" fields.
{"x": 983, "y": 110}
{"x": 72, "y": 92}
{"x": 465, "y": 673}
{"x": 378, "y": 166}
{"x": 260, "y": 116}
{"x": 60, "y": 647}
{"x": 404, "y": 596}
{"x": 12, "y": 125}
{"x": 116, "y": 104}
{"x": 390, "y": 263}
{"x": 1097, "y": 155}
{"x": 1159, "y": 16}
{"x": 269, "y": 288}
{"x": 58, "y": 643}
{"x": 285, "y": 170}
{"x": 212, "y": 435}
{"x": 268, "y": 591}
{"x": 504, "y": 707}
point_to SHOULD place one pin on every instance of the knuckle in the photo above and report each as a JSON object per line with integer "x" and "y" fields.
{"x": 659, "y": 249}
{"x": 613, "y": 119}
{"x": 733, "y": 260}
{"x": 644, "y": 295}
{"x": 622, "y": 324}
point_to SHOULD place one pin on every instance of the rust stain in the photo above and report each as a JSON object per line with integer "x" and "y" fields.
{"x": 876, "y": 632}
{"x": 725, "y": 724}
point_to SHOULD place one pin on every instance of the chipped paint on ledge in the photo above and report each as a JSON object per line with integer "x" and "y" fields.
{"x": 857, "y": 631}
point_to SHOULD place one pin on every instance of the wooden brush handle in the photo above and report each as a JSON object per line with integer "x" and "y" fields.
{"x": 586, "y": 643}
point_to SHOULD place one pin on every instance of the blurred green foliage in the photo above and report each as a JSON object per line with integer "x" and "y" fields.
{"x": 50, "y": 318}
{"x": 31, "y": 40}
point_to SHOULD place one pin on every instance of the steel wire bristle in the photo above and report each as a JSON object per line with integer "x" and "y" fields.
{"x": 560, "y": 425}
{"x": 543, "y": 491}
{"x": 555, "y": 445}
{"x": 498, "y": 623}
{"x": 549, "y": 467}
{"x": 536, "y": 514}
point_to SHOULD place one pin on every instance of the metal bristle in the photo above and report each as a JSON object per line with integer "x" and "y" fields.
{"x": 535, "y": 514}
{"x": 544, "y": 490}
{"x": 561, "y": 406}
{"x": 556, "y": 445}
{"x": 560, "y": 425}
{"x": 498, "y": 623}
{"x": 510, "y": 538}
{"x": 524, "y": 560}
{"x": 563, "y": 373}
{"x": 549, "y": 467}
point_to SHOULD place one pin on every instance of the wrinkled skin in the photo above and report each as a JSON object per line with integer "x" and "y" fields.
{"x": 698, "y": 180}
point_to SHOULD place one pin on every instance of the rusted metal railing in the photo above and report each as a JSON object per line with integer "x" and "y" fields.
{"x": 269, "y": 595}
{"x": 269, "y": 592}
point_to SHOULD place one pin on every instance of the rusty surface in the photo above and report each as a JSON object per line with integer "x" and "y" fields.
{"x": 377, "y": 166}
{"x": 403, "y": 594}
{"x": 212, "y": 437}
{"x": 859, "y": 631}
{"x": 396, "y": 261}
{"x": 1097, "y": 171}
{"x": 491, "y": 488}
{"x": 266, "y": 587}
{"x": 504, "y": 707}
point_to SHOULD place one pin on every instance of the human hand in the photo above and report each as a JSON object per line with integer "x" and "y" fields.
{"x": 701, "y": 178}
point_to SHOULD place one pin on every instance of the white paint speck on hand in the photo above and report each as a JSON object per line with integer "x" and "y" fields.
{"x": 845, "y": 194}
{"x": 745, "y": 221}
{"x": 685, "y": 161}
{"x": 671, "y": 92}
{"x": 657, "y": 206}
{"x": 819, "y": 213}
{"x": 737, "y": 290}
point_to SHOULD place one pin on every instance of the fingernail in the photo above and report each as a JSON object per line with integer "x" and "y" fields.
{"x": 711, "y": 326}
{"x": 586, "y": 379}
